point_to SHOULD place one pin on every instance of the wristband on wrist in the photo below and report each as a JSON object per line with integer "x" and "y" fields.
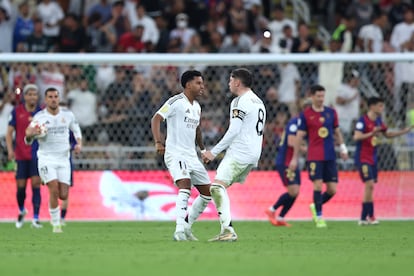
{"x": 203, "y": 150}
{"x": 343, "y": 149}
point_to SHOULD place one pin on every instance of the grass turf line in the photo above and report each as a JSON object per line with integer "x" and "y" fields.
{"x": 146, "y": 248}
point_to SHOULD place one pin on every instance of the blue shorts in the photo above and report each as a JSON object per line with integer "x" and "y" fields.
{"x": 368, "y": 172}
{"x": 325, "y": 170}
{"x": 287, "y": 177}
{"x": 26, "y": 169}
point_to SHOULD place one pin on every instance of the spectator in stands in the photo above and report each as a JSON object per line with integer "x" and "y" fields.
{"x": 131, "y": 42}
{"x": 236, "y": 17}
{"x": 51, "y": 15}
{"x": 37, "y": 42}
{"x": 164, "y": 34}
{"x": 21, "y": 75}
{"x": 72, "y": 36}
{"x": 289, "y": 87}
{"x": 116, "y": 102}
{"x": 6, "y": 107}
{"x": 264, "y": 44}
{"x": 50, "y": 75}
{"x": 397, "y": 11}
{"x": 103, "y": 8}
{"x": 256, "y": 21}
{"x": 23, "y": 26}
{"x": 345, "y": 33}
{"x": 105, "y": 75}
{"x": 236, "y": 42}
{"x": 363, "y": 10}
{"x": 101, "y": 38}
{"x": 286, "y": 41}
{"x": 278, "y": 23}
{"x": 182, "y": 33}
{"x": 402, "y": 40}
{"x": 83, "y": 104}
{"x": 6, "y": 27}
{"x": 331, "y": 81}
{"x": 306, "y": 43}
{"x": 348, "y": 102}
{"x": 151, "y": 33}
{"x": 118, "y": 21}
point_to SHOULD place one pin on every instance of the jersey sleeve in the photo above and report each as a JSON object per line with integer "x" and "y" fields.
{"x": 12, "y": 118}
{"x": 292, "y": 128}
{"x": 238, "y": 110}
{"x": 360, "y": 125}
{"x": 335, "y": 121}
{"x": 302, "y": 122}
{"x": 166, "y": 110}
{"x": 74, "y": 127}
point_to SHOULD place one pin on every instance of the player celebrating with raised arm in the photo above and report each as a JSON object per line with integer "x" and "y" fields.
{"x": 25, "y": 155}
{"x": 320, "y": 124}
{"x": 243, "y": 144}
{"x": 182, "y": 113}
{"x": 367, "y": 130}
{"x": 53, "y": 154}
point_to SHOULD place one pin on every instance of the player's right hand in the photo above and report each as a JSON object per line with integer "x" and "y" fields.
{"x": 293, "y": 164}
{"x": 10, "y": 155}
{"x": 160, "y": 148}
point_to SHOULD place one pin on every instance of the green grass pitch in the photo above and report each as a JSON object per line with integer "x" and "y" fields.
{"x": 146, "y": 248}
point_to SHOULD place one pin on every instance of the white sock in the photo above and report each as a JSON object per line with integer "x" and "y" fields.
{"x": 181, "y": 209}
{"x": 199, "y": 204}
{"x": 55, "y": 215}
{"x": 222, "y": 202}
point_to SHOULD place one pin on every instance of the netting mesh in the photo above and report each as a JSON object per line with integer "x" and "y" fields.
{"x": 115, "y": 102}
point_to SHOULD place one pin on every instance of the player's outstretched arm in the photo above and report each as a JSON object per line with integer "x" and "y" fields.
{"x": 392, "y": 134}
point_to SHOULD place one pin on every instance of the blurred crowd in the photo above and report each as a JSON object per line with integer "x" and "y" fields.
{"x": 112, "y": 102}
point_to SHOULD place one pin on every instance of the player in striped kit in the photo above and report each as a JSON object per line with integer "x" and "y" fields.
{"x": 367, "y": 130}
{"x": 54, "y": 151}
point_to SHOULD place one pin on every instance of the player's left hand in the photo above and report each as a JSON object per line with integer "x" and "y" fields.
{"x": 207, "y": 156}
{"x": 77, "y": 149}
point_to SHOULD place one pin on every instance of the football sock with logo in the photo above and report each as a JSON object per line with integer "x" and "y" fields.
{"x": 36, "y": 200}
{"x": 199, "y": 204}
{"x": 54, "y": 215}
{"x": 364, "y": 213}
{"x": 222, "y": 202}
{"x": 326, "y": 197}
{"x": 181, "y": 205}
{"x": 287, "y": 206}
{"x": 21, "y": 196}
{"x": 317, "y": 199}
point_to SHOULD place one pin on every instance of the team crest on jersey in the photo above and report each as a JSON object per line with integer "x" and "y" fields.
{"x": 322, "y": 119}
{"x": 290, "y": 175}
{"x": 374, "y": 141}
{"x": 323, "y": 132}
{"x": 63, "y": 120}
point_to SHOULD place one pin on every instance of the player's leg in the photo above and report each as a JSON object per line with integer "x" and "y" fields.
{"x": 330, "y": 177}
{"x": 290, "y": 197}
{"x": 22, "y": 174}
{"x": 369, "y": 195}
{"x": 181, "y": 206}
{"x": 63, "y": 210}
{"x": 36, "y": 197}
{"x": 54, "y": 209}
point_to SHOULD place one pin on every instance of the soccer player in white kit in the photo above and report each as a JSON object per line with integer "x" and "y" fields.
{"x": 54, "y": 150}
{"x": 243, "y": 145}
{"x": 182, "y": 113}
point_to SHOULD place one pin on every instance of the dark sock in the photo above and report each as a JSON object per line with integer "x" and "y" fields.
{"x": 283, "y": 200}
{"x": 326, "y": 197}
{"x": 63, "y": 213}
{"x": 287, "y": 206}
{"x": 317, "y": 200}
{"x": 371, "y": 209}
{"x": 364, "y": 213}
{"x": 21, "y": 196}
{"x": 36, "y": 200}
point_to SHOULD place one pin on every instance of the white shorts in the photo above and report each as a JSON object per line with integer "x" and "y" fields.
{"x": 55, "y": 169}
{"x": 181, "y": 167}
{"x": 231, "y": 171}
